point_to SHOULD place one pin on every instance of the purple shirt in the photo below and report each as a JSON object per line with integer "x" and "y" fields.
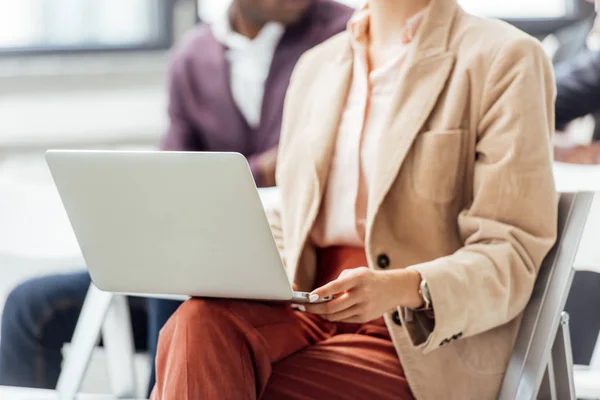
{"x": 203, "y": 114}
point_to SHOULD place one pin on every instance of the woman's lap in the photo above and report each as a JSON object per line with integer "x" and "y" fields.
{"x": 289, "y": 355}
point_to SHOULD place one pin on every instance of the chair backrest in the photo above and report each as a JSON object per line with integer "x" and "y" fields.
{"x": 542, "y": 315}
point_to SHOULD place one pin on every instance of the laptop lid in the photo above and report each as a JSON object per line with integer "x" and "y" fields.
{"x": 177, "y": 223}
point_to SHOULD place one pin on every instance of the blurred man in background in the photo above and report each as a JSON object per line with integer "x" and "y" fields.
{"x": 578, "y": 94}
{"x": 227, "y": 84}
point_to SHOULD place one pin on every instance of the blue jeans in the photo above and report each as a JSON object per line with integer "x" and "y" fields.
{"x": 40, "y": 317}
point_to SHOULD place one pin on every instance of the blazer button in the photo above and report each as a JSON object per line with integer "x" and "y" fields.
{"x": 396, "y": 318}
{"x": 383, "y": 261}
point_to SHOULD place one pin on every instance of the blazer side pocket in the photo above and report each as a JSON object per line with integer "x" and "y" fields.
{"x": 435, "y": 164}
{"x": 488, "y": 352}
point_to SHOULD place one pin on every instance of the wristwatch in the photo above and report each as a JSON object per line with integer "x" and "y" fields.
{"x": 425, "y": 295}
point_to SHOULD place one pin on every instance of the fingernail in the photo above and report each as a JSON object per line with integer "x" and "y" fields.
{"x": 313, "y": 297}
{"x": 301, "y": 308}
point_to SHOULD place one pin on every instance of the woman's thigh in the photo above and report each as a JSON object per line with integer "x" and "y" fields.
{"x": 348, "y": 366}
{"x": 225, "y": 349}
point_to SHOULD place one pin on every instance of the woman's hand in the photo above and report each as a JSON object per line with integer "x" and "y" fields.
{"x": 363, "y": 295}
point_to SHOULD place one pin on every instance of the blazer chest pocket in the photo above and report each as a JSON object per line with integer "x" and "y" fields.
{"x": 436, "y": 161}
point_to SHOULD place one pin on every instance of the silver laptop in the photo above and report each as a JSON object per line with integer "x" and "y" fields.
{"x": 171, "y": 223}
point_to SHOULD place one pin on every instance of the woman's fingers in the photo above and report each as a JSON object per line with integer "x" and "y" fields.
{"x": 340, "y": 285}
{"x": 336, "y": 305}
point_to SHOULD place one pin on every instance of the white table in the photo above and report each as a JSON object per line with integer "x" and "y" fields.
{"x": 577, "y": 178}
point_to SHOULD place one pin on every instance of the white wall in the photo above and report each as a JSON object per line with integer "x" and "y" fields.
{"x": 72, "y": 100}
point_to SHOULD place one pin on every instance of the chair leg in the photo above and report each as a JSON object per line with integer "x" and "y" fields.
{"x": 563, "y": 361}
{"x": 85, "y": 339}
{"x": 548, "y": 387}
{"x": 558, "y": 383}
{"x": 117, "y": 336}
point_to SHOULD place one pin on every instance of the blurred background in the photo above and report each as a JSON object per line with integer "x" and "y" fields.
{"x": 92, "y": 74}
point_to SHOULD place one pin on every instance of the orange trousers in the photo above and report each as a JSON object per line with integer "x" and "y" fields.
{"x": 237, "y": 350}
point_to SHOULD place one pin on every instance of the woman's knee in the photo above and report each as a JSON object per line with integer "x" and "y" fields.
{"x": 206, "y": 307}
{"x": 201, "y": 309}
{"x": 197, "y": 314}
{"x": 206, "y": 314}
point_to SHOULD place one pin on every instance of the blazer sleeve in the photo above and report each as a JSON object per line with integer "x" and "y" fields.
{"x": 180, "y": 134}
{"x": 578, "y": 88}
{"x": 511, "y": 221}
{"x": 293, "y": 99}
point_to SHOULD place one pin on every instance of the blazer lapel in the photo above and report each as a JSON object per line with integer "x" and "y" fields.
{"x": 328, "y": 96}
{"x": 429, "y": 65}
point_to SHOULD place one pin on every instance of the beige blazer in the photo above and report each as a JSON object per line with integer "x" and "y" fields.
{"x": 463, "y": 189}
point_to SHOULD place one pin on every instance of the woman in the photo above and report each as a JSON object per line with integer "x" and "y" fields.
{"x": 416, "y": 182}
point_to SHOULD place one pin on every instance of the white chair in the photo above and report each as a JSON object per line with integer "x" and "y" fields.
{"x": 106, "y": 314}
{"x": 541, "y": 365}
